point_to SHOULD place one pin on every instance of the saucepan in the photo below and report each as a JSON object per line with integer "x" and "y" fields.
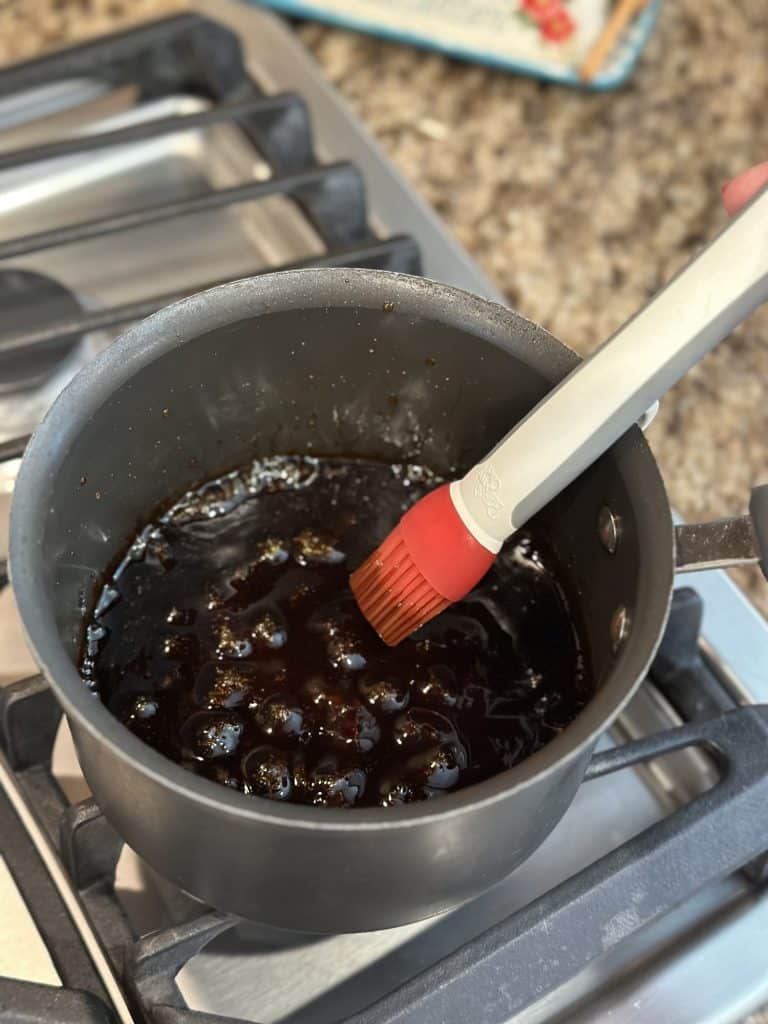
{"x": 306, "y": 361}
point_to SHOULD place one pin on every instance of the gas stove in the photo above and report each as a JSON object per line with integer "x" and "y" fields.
{"x": 141, "y": 167}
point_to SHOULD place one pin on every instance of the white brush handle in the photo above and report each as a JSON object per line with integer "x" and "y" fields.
{"x": 599, "y": 400}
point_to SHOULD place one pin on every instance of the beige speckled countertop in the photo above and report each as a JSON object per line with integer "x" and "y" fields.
{"x": 578, "y": 205}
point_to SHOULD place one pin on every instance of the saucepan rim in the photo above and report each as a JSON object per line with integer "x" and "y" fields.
{"x": 171, "y": 328}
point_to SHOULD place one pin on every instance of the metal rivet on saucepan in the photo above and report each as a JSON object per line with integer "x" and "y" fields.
{"x": 609, "y": 529}
{"x": 619, "y": 627}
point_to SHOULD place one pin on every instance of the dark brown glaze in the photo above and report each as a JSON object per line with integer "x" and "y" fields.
{"x": 229, "y": 640}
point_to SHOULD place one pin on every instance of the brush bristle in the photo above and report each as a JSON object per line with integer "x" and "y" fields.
{"x": 430, "y": 560}
{"x": 392, "y": 593}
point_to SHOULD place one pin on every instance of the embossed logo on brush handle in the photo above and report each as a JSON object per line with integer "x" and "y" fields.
{"x": 487, "y": 488}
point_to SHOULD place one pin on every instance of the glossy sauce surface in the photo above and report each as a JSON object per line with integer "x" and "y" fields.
{"x": 229, "y": 640}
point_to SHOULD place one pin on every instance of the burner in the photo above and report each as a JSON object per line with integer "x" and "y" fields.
{"x": 31, "y": 301}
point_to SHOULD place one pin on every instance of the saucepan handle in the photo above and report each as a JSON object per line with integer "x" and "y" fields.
{"x": 758, "y": 510}
{"x": 724, "y": 543}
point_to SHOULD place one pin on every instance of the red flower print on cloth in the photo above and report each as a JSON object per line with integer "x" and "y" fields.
{"x": 558, "y": 26}
{"x": 540, "y": 8}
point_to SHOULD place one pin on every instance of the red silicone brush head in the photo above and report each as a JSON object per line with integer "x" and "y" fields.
{"x": 428, "y": 561}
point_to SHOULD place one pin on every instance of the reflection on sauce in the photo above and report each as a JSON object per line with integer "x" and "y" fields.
{"x": 228, "y": 639}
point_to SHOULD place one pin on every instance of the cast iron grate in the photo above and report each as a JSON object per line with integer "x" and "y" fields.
{"x": 531, "y": 952}
{"x": 192, "y": 54}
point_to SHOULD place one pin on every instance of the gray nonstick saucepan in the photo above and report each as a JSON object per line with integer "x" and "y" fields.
{"x": 241, "y": 371}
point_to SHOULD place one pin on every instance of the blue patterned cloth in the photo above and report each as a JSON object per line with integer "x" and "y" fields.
{"x": 384, "y": 19}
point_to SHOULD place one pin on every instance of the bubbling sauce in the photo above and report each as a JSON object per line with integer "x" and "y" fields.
{"x": 228, "y": 639}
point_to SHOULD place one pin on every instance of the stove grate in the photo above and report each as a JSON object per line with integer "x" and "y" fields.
{"x": 190, "y": 53}
{"x": 533, "y": 951}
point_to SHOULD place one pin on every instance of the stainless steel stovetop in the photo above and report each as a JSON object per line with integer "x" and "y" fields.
{"x": 706, "y": 961}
